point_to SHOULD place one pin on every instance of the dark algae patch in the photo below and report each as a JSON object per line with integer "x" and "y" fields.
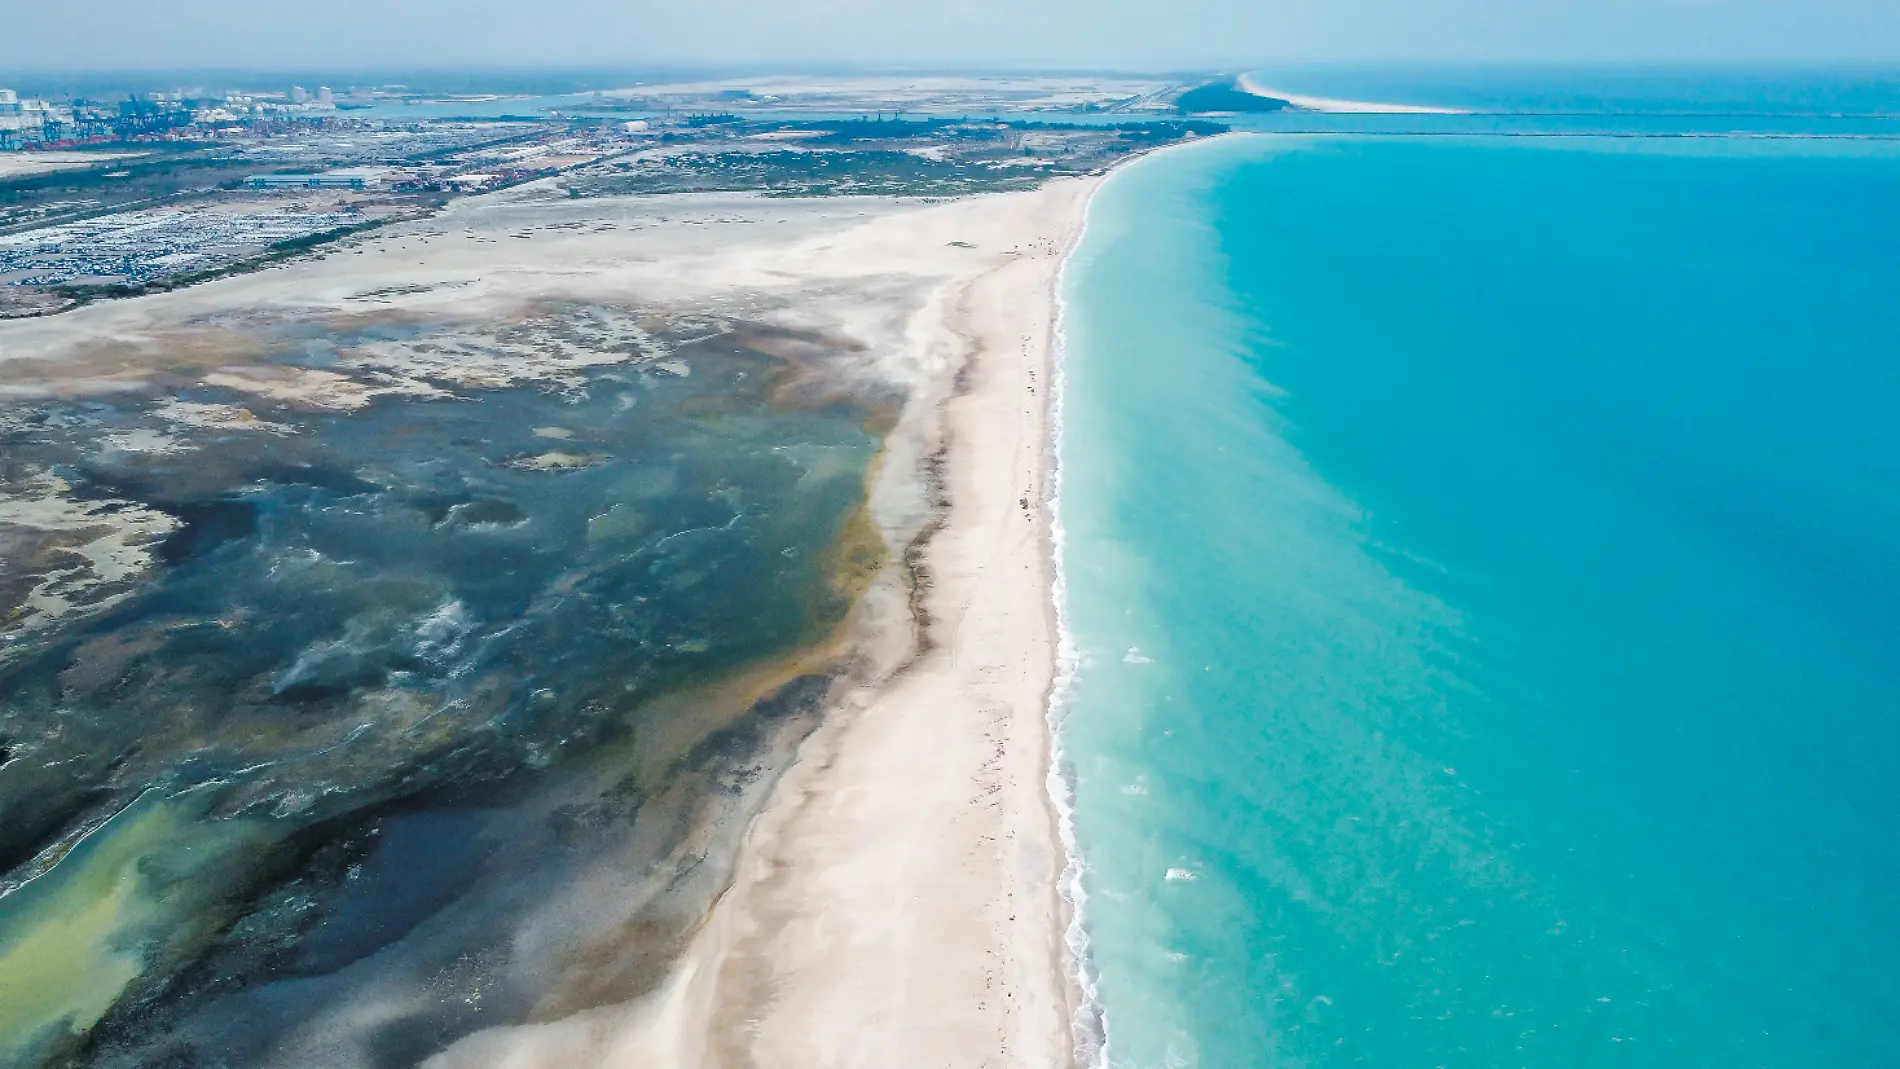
{"x": 337, "y": 725}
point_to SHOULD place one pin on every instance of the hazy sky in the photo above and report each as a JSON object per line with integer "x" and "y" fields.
{"x": 48, "y": 34}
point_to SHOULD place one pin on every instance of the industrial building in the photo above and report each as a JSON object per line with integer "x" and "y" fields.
{"x": 348, "y": 178}
{"x": 24, "y": 122}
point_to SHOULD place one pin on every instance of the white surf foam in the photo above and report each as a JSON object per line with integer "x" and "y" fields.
{"x": 1090, "y": 1024}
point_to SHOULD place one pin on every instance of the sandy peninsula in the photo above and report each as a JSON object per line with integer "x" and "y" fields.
{"x": 896, "y": 902}
{"x": 887, "y": 893}
{"x": 1332, "y": 105}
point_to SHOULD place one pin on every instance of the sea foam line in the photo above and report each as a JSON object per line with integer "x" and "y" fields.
{"x": 1089, "y": 1026}
{"x": 1090, "y": 1022}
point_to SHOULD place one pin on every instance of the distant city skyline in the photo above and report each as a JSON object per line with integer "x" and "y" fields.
{"x": 360, "y": 34}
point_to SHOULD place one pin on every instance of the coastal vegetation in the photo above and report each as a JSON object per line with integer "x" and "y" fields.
{"x": 865, "y": 157}
{"x": 786, "y": 173}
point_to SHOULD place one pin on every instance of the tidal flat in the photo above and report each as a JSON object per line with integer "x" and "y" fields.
{"x": 557, "y": 631}
{"x": 337, "y": 681}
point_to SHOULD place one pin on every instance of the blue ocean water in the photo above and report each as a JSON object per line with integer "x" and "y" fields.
{"x": 1625, "y": 90}
{"x": 1619, "y": 100}
{"x": 1484, "y": 555}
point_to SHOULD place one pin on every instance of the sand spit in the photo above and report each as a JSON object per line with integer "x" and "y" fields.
{"x": 1341, "y": 107}
{"x": 899, "y": 902}
{"x": 895, "y": 901}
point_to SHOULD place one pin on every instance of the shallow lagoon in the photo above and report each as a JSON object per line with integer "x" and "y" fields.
{"x": 358, "y": 747}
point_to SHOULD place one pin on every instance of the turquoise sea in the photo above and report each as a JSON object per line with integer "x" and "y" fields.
{"x": 1483, "y": 556}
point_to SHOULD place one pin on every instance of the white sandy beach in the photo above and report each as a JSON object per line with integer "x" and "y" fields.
{"x": 895, "y": 901}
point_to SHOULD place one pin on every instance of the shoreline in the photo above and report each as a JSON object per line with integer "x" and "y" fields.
{"x": 1088, "y": 1022}
{"x": 900, "y": 896}
{"x": 1088, "y": 1016}
{"x": 908, "y": 878}
{"x": 1050, "y": 1018}
{"x": 916, "y": 817}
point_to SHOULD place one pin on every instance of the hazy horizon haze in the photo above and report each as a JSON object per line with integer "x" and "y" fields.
{"x": 361, "y": 35}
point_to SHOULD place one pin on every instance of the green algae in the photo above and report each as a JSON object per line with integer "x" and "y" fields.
{"x": 76, "y": 938}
